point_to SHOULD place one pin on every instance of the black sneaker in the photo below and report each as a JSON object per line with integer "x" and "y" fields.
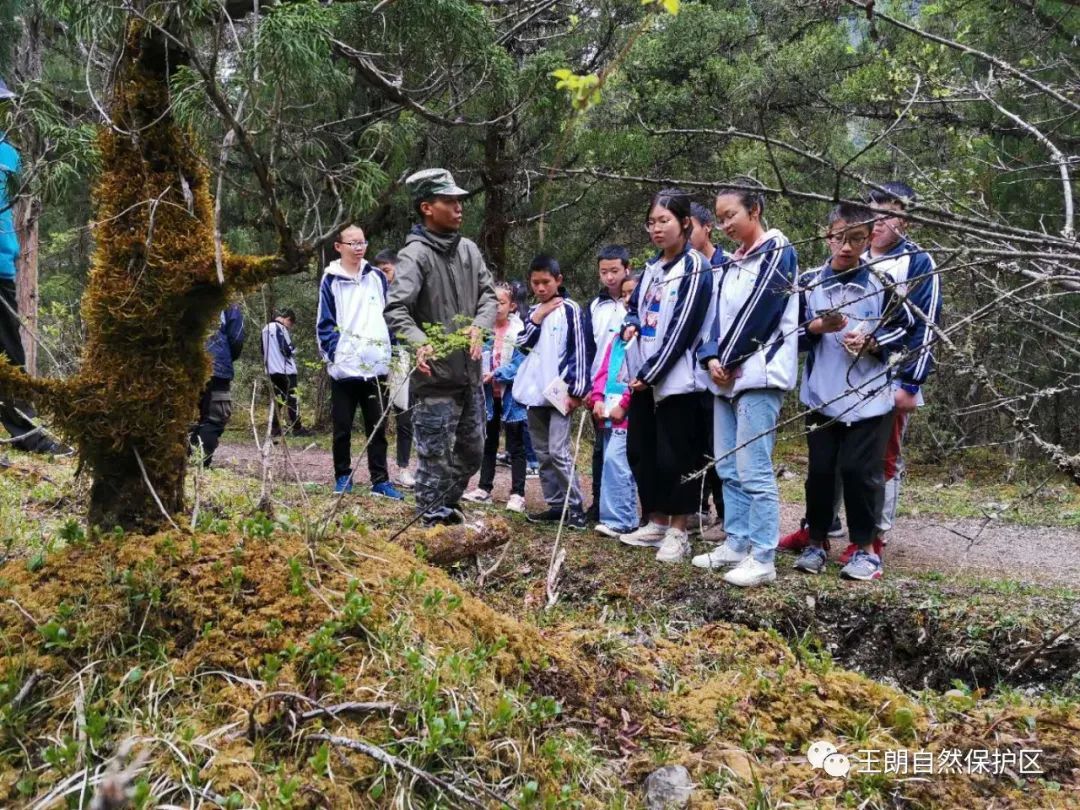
{"x": 837, "y": 528}
{"x": 443, "y": 517}
{"x": 593, "y": 513}
{"x": 552, "y": 515}
{"x": 502, "y": 459}
{"x": 577, "y": 521}
{"x": 48, "y": 447}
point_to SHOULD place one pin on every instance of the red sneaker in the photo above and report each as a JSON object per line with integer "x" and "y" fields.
{"x": 796, "y": 541}
{"x": 845, "y": 557}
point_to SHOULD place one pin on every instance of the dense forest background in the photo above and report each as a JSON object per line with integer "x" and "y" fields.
{"x": 313, "y": 112}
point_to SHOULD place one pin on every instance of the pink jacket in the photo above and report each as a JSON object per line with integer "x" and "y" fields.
{"x": 600, "y": 383}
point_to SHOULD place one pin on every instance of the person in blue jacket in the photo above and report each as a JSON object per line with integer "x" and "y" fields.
{"x": 16, "y": 416}
{"x": 215, "y": 406}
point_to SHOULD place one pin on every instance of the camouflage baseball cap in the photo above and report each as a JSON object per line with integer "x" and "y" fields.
{"x": 424, "y": 185}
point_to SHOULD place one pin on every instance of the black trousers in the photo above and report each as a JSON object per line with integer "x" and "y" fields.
{"x": 215, "y": 408}
{"x": 404, "y": 435}
{"x": 285, "y": 396}
{"x": 712, "y": 485}
{"x": 664, "y": 444}
{"x": 370, "y": 396}
{"x": 857, "y": 452}
{"x": 16, "y": 414}
{"x": 515, "y": 447}
{"x": 597, "y": 462}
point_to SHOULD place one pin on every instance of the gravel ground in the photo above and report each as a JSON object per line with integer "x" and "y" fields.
{"x": 1041, "y": 555}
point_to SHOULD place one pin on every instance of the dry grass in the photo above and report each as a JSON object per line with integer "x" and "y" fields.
{"x": 202, "y": 664}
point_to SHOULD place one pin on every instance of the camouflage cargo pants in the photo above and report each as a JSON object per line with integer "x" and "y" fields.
{"x": 449, "y": 435}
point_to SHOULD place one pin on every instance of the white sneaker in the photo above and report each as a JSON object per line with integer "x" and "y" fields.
{"x": 406, "y": 479}
{"x": 720, "y": 556}
{"x": 750, "y": 572}
{"x": 478, "y": 496}
{"x": 651, "y": 534}
{"x": 515, "y": 503}
{"x": 675, "y": 547}
{"x": 604, "y": 529}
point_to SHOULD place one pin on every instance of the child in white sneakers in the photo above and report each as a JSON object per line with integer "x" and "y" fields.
{"x": 670, "y": 405}
{"x": 752, "y": 360}
{"x": 610, "y": 400}
{"x": 501, "y": 362}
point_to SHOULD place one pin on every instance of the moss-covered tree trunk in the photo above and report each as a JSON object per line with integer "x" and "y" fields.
{"x": 152, "y": 295}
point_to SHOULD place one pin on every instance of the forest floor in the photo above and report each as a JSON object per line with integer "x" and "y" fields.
{"x": 982, "y": 579}
{"x": 199, "y": 665}
{"x": 956, "y": 527}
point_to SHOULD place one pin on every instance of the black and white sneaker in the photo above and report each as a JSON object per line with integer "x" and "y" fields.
{"x": 577, "y": 521}
{"x": 443, "y": 517}
{"x": 551, "y": 515}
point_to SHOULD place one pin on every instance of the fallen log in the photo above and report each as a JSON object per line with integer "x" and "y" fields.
{"x": 443, "y": 545}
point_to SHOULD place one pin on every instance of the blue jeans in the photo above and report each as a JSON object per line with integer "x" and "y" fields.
{"x": 744, "y": 430}
{"x": 618, "y": 493}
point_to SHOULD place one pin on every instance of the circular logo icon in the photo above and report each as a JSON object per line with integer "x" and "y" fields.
{"x": 837, "y": 765}
{"x": 817, "y": 752}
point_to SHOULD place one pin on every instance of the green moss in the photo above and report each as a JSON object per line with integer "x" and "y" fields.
{"x": 153, "y": 293}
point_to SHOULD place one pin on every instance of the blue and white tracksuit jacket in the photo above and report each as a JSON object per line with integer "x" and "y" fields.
{"x": 603, "y": 319}
{"x": 558, "y": 347}
{"x": 353, "y": 338}
{"x": 670, "y": 308}
{"x": 279, "y": 356}
{"x": 915, "y": 279}
{"x": 226, "y": 342}
{"x": 756, "y": 322}
{"x": 835, "y": 384}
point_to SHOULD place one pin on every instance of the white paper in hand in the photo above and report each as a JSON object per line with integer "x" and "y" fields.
{"x": 557, "y": 393}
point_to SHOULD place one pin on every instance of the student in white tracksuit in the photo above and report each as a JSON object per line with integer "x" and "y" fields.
{"x": 555, "y": 344}
{"x": 279, "y": 359}
{"x": 669, "y": 406}
{"x": 355, "y": 344}
{"x": 752, "y": 358}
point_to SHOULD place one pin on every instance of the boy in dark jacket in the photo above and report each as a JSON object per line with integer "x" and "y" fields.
{"x": 215, "y": 407}
{"x": 442, "y": 280}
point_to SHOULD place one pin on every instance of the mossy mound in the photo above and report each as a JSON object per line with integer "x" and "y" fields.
{"x": 208, "y": 664}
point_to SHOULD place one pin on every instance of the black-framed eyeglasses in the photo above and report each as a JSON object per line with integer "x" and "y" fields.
{"x": 847, "y": 239}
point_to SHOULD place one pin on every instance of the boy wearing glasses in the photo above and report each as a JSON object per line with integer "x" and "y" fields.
{"x": 849, "y": 324}
{"x": 355, "y": 345}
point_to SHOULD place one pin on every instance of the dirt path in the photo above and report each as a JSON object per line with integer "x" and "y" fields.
{"x": 1040, "y": 555}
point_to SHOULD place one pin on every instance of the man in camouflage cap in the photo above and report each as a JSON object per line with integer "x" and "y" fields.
{"x": 441, "y": 279}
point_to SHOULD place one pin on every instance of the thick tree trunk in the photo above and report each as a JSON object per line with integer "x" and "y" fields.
{"x": 119, "y": 496}
{"x": 497, "y": 173}
{"x": 27, "y": 209}
{"x": 26, "y": 278}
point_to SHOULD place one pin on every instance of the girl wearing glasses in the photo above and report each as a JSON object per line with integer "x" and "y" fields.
{"x": 667, "y": 315}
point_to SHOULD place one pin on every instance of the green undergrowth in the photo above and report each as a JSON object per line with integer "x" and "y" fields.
{"x": 975, "y": 483}
{"x": 236, "y": 668}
